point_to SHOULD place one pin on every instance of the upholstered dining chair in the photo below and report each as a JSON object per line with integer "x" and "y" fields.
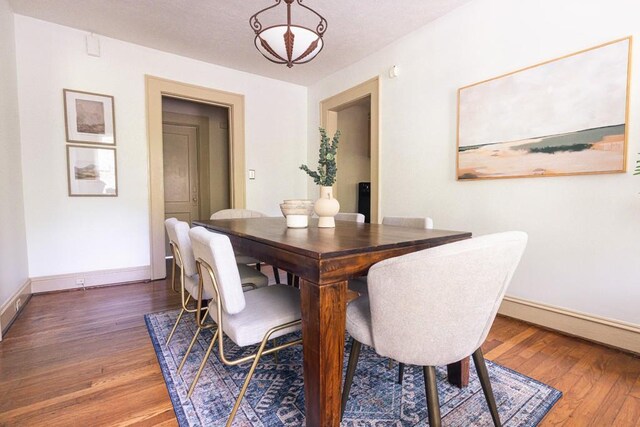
{"x": 409, "y": 222}
{"x": 180, "y": 244}
{"x": 246, "y": 318}
{"x": 350, "y": 216}
{"x": 244, "y": 213}
{"x": 359, "y": 284}
{"x": 435, "y": 307}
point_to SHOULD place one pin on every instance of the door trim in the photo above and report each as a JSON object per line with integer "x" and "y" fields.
{"x": 156, "y": 88}
{"x": 329, "y": 120}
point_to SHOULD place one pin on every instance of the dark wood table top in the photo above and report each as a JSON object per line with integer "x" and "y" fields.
{"x": 322, "y": 243}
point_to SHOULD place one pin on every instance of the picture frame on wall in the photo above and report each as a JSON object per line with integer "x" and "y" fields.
{"x": 89, "y": 117}
{"x": 92, "y": 171}
{"x": 566, "y": 116}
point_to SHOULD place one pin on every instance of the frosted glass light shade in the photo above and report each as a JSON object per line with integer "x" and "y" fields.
{"x": 286, "y": 43}
{"x": 271, "y": 42}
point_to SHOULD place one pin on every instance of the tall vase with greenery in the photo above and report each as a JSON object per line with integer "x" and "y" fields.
{"x": 326, "y": 207}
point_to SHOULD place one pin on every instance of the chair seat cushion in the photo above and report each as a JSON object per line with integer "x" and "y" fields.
{"x": 359, "y": 285}
{"x": 265, "y": 308}
{"x": 359, "y": 320}
{"x": 191, "y": 286}
{"x": 244, "y": 259}
{"x": 247, "y": 275}
{"x": 251, "y": 275}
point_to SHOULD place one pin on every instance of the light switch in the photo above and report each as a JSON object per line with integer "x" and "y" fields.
{"x": 252, "y": 174}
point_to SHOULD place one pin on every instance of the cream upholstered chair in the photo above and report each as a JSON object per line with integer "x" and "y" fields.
{"x": 180, "y": 244}
{"x": 349, "y": 216}
{"x": 409, "y": 222}
{"x": 246, "y": 318}
{"x": 178, "y": 232}
{"x": 359, "y": 284}
{"x": 244, "y": 213}
{"x": 435, "y": 307}
{"x": 236, "y": 213}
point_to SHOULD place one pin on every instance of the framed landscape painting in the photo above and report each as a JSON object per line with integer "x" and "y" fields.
{"x": 567, "y": 116}
{"x": 89, "y": 117}
{"x": 92, "y": 171}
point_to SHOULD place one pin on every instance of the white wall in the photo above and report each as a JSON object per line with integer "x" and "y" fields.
{"x": 13, "y": 243}
{"x": 584, "y": 230}
{"x": 78, "y": 234}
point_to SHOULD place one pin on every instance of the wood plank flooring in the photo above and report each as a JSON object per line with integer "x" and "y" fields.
{"x": 84, "y": 358}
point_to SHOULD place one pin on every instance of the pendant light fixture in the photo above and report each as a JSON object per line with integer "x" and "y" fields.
{"x": 288, "y": 43}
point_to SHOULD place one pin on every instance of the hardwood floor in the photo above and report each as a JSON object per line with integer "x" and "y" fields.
{"x": 85, "y": 358}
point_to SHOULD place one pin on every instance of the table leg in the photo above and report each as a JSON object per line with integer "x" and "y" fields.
{"x": 323, "y": 328}
{"x": 458, "y": 373}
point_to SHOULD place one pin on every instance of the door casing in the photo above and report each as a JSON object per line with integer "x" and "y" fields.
{"x": 156, "y": 88}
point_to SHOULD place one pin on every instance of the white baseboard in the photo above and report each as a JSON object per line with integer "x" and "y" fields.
{"x": 611, "y": 332}
{"x": 91, "y": 278}
{"x": 10, "y": 310}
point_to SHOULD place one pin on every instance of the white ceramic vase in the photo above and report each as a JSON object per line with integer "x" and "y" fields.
{"x": 326, "y": 207}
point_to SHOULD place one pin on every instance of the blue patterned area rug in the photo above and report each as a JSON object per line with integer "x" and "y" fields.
{"x": 276, "y": 393}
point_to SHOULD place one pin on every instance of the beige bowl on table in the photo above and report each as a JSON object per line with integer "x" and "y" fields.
{"x": 297, "y": 212}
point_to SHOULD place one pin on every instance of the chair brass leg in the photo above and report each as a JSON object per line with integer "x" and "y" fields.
{"x": 243, "y": 390}
{"x": 483, "y": 376}
{"x": 204, "y": 362}
{"x": 276, "y": 274}
{"x": 354, "y": 354}
{"x": 193, "y": 341}
{"x": 175, "y": 326}
{"x": 400, "y": 373}
{"x": 173, "y": 274}
{"x": 433, "y": 403}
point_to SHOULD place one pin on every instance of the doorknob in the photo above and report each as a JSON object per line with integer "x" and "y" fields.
{"x": 195, "y": 200}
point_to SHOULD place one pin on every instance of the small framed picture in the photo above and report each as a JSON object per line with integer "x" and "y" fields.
{"x": 92, "y": 171}
{"x": 89, "y": 117}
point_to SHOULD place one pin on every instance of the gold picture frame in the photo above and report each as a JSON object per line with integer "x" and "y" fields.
{"x": 89, "y": 117}
{"x": 92, "y": 171}
{"x": 566, "y": 116}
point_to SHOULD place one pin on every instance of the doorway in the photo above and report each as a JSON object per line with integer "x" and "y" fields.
{"x": 354, "y": 157}
{"x": 357, "y": 111}
{"x": 195, "y": 159}
{"x": 158, "y": 88}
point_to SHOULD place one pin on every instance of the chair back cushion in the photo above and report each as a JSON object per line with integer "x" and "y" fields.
{"x": 348, "y": 216}
{"x": 436, "y": 306}
{"x": 178, "y": 232}
{"x": 408, "y": 222}
{"x": 236, "y": 213}
{"x": 215, "y": 249}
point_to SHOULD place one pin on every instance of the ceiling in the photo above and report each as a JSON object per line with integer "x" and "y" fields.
{"x": 217, "y": 31}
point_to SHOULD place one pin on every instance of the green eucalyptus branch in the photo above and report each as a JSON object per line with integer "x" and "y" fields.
{"x": 327, "y": 169}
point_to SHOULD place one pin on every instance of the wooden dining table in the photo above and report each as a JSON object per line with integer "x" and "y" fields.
{"x": 325, "y": 259}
